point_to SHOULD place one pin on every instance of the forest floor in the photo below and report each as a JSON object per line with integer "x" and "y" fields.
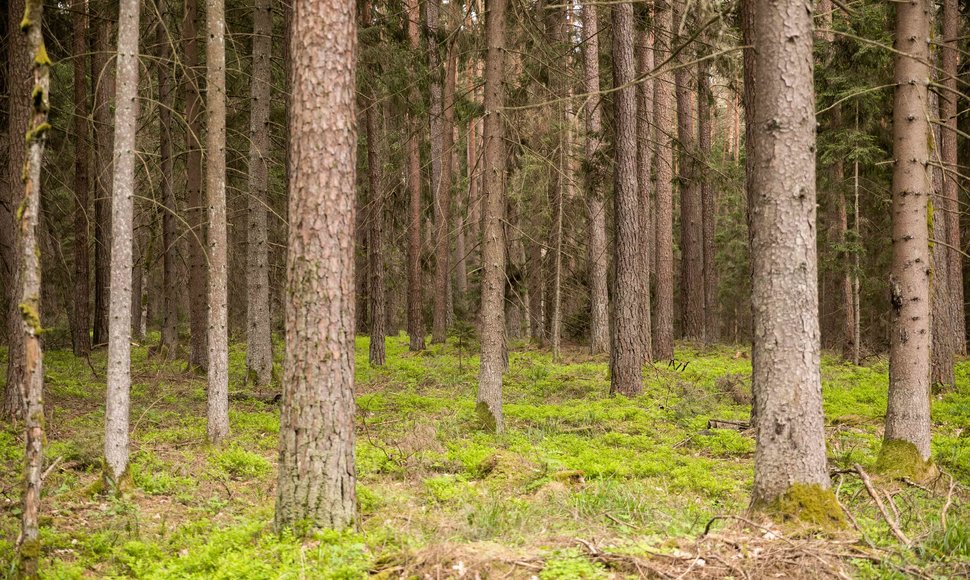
{"x": 581, "y": 486}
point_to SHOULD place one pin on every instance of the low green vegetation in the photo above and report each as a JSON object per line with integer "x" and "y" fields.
{"x": 580, "y": 486}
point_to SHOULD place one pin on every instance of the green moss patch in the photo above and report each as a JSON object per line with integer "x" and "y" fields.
{"x": 808, "y": 504}
{"x": 899, "y": 459}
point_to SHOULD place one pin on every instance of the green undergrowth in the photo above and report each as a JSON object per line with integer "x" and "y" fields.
{"x": 640, "y": 474}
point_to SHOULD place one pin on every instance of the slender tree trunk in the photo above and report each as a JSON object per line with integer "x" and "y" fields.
{"x": 103, "y": 77}
{"x": 559, "y": 89}
{"x": 626, "y": 341}
{"x": 415, "y": 285}
{"x": 170, "y": 211}
{"x": 218, "y": 336}
{"x": 712, "y": 319}
{"x": 780, "y": 167}
{"x": 942, "y": 346}
{"x": 375, "y": 221}
{"x": 122, "y": 240}
{"x": 7, "y": 185}
{"x": 81, "y": 324}
{"x": 594, "y": 178}
{"x": 259, "y": 341}
{"x": 198, "y": 268}
{"x": 140, "y": 250}
{"x": 644, "y": 164}
{"x": 492, "y": 364}
{"x": 28, "y": 292}
{"x": 440, "y": 165}
{"x": 665, "y": 127}
{"x": 948, "y": 113}
{"x": 316, "y": 473}
{"x": 908, "y": 411}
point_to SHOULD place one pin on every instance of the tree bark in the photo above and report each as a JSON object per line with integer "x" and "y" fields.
{"x": 316, "y": 474}
{"x": 170, "y": 209}
{"x": 559, "y": 89}
{"x": 644, "y": 164}
{"x": 103, "y": 77}
{"x": 415, "y": 287}
{"x": 31, "y": 383}
{"x": 948, "y": 113}
{"x": 908, "y": 410}
{"x": 665, "y": 127}
{"x": 626, "y": 340}
{"x": 81, "y": 324}
{"x": 122, "y": 240}
{"x": 942, "y": 317}
{"x": 780, "y": 168}
{"x": 492, "y": 362}
{"x": 259, "y": 339}
{"x": 439, "y": 112}
{"x": 712, "y": 319}
{"x": 375, "y": 221}
{"x": 7, "y": 186}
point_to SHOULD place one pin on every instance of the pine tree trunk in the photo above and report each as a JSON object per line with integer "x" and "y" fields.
{"x": 259, "y": 341}
{"x": 170, "y": 210}
{"x": 215, "y": 179}
{"x": 415, "y": 287}
{"x": 626, "y": 341}
{"x": 7, "y": 187}
{"x": 316, "y": 473}
{"x": 122, "y": 241}
{"x": 28, "y": 279}
{"x": 908, "y": 410}
{"x": 440, "y": 162}
{"x": 492, "y": 364}
{"x": 948, "y": 114}
{"x": 780, "y": 166}
{"x": 559, "y": 89}
{"x": 103, "y": 77}
{"x": 712, "y": 319}
{"x": 644, "y": 164}
{"x": 665, "y": 127}
{"x": 198, "y": 268}
{"x": 375, "y": 218}
{"x": 942, "y": 346}
{"x": 81, "y": 323}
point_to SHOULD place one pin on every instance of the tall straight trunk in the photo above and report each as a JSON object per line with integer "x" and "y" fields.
{"x": 472, "y": 214}
{"x": 7, "y": 185}
{"x": 316, "y": 472}
{"x": 415, "y": 285}
{"x": 599, "y": 326}
{"x": 81, "y": 324}
{"x": 103, "y": 77}
{"x": 948, "y": 115}
{"x": 215, "y": 181}
{"x": 691, "y": 207}
{"x": 492, "y": 364}
{"x": 122, "y": 239}
{"x": 665, "y": 127}
{"x": 375, "y": 221}
{"x": 942, "y": 317}
{"x": 170, "y": 209}
{"x": 259, "y": 340}
{"x": 712, "y": 322}
{"x": 198, "y": 270}
{"x": 20, "y": 82}
{"x": 908, "y": 409}
{"x": 440, "y": 164}
{"x": 780, "y": 168}
{"x": 141, "y": 248}
{"x": 626, "y": 341}
{"x": 28, "y": 279}
{"x": 558, "y": 83}
{"x": 644, "y": 165}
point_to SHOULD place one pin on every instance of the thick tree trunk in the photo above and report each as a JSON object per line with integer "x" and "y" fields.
{"x": 415, "y": 287}
{"x": 492, "y": 364}
{"x": 28, "y": 280}
{"x": 198, "y": 268}
{"x": 316, "y": 472}
{"x": 644, "y": 165}
{"x": 103, "y": 77}
{"x": 626, "y": 341}
{"x": 780, "y": 168}
{"x": 122, "y": 241}
{"x": 439, "y": 112}
{"x": 215, "y": 180}
{"x": 170, "y": 211}
{"x": 948, "y": 114}
{"x": 908, "y": 410}
{"x": 665, "y": 127}
{"x": 81, "y": 324}
{"x": 259, "y": 341}
{"x": 712, "y": 319}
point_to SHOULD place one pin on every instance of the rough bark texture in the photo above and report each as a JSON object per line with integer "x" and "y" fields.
{"x": 198, "y": 269}
{"x": 375, "y": 221}
{"x": 492, "y": 364}
{"x": 599, "y": 327}
{"x": 7, "y": 186}
{"x": 626, "y": 341}
{"x": 81, "y": 323}
{"x": 948, "y": 115}
{"x": 28, "y": 295}
{"x": 908, "y": 410}
{"x": 316, "y": 468}
{"x": 559, "y": 88}
{"x": 712, "y": 319}
{"x": 663, "y": 329}
{"x": 259, "y": 341}
{"x": 215, "y": 181}
{"x": 780, "y": 168}
{"x": 103, "y": 77}
{"x": 122, "y": 239}
{"x": 440, "y": 168}
{"x": 170, "y": 211}
{"x": 942, "y": 316}
{"x": 645, "y": 152}
{"x": 415, "y": 288}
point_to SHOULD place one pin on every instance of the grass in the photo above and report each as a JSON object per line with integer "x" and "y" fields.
{"x": 580, "y": 484}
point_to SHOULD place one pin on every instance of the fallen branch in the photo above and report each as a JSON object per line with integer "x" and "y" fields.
{"x": 51, "y": 467}
{"x": 882, "y": 509}
{"x": 949, "y": 501}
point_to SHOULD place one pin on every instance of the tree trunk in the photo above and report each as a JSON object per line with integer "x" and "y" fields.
{"x": 942, "y": 345}
{"x": 440, "y": 165}
{"x": 908, "y": 410}
{"x": 198, "y": 269}
{"x": 415, "y": 287}
{"x": 170, "y": 209}
{"x": 103, "y": 77}
{"x": 948, "y": 114}
{"x": 492, "y": 364}
{"x": 559, "y": 89}
{"x": 712, "y": 321}
{"x": 259, "y": 340}
{"x": 7, "y": 186}
{"x": 626, "y": 341}
{"x": 780, "y": 168}
{"x": 316, "y": 472}
{"x": 81, "y": 324}
{"x": 28, "y": 279}
{"x": 122, "y": 241}
{"x": 665, "y": 127}
{"x": 375, "y": 221}
{"x": 595, "y": 174}
{"x": 644, "y": 160}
